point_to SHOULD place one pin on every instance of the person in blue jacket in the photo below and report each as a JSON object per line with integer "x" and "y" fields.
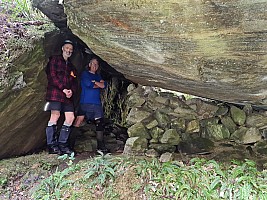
{"x": 90, "y": 101}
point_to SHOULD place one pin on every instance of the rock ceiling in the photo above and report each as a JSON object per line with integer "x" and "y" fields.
{"x": 212, "y": 48}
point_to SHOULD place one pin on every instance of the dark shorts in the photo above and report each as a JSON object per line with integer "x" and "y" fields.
{"x": 59, "y": 106}
{"x": 90, "y": 111}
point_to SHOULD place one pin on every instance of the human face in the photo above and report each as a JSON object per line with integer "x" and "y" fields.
{"x": 67, "y": 50}
{"x": 93, "y": 66}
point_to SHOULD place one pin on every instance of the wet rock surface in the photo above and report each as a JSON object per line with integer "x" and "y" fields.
{"x": 212, "y": 49}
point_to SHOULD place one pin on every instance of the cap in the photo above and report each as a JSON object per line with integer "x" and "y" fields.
{"x": 67, "y": 42}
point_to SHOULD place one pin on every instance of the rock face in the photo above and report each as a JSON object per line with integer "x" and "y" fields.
{"x": 214, "y": 49}
{"x": 21, "y": 115}
{"x": 53, "y": 10}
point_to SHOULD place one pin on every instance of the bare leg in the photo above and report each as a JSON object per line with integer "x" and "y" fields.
{"x": 55, "y": 114}
{"x": 69, "y": 118}
{"x": 75, "y": 131}
{"x": 78, "y": 121}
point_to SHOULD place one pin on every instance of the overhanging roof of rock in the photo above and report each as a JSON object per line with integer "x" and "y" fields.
{"x": 213, "y": 49}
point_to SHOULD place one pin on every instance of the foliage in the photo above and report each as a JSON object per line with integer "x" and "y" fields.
{"x": 20, "y": 26}
{"x": 51, "y": 188}
{"x": 20, "y": 9}
{"x": 20, "y": 22}
{"x": 109, "y": 177}
{"x": 99, "y": 172}
{"x": 202, "y": 180}
{"x": 21, "y": 172}
{"x": 103, "y": 169}
{"x": 3, "y": 181}
{"x": 114, "y": 100}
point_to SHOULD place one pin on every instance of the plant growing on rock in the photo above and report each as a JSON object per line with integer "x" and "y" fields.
{"x": 114, "y": 99}
{"x": 20, "y": 26}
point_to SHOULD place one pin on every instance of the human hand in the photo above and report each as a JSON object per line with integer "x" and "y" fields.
{"x": 68, "y": 93}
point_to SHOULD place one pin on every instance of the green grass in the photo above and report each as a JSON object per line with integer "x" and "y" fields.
{"x": 100, "y": 177}
{"x": 204, "y": 179}
{"x": 44, "y": 176}
{"x": 20, "y": 10}
{"x": 23, "y": 23}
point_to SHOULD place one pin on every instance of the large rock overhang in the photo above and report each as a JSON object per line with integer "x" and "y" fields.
{"x": 212, "y": 49}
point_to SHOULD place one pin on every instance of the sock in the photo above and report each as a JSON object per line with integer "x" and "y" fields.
{"x": 66, "y": 124}
{"x": 51, "y": 123}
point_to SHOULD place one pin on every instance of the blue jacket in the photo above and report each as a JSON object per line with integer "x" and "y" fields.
{"x": 89, "y": 94}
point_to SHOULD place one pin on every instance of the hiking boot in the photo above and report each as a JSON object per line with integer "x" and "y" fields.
{"x": 51, "y": 136}
{"x": 64, "y": 148}
{"x": 51, "y": 139}
{"x": 64, "y": 134}
{"x": 101, "y": 147}
{"x": 53, "y": 149}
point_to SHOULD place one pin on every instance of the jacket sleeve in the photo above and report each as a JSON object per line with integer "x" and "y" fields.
{"x": 52, "y": 74}
{"x": 86, "y": 80}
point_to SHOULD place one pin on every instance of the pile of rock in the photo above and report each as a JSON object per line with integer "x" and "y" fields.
{"x": 115, "y": 137}
{"x": 160, "y": 122}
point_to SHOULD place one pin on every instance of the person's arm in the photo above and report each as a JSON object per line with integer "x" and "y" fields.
{"x": 100, "y": 84}
{"x": 86, "y": 80}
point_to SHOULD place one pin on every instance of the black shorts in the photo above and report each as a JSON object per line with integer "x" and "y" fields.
{"x": 90, "y": 111}
{"x": 59, "y": 106}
